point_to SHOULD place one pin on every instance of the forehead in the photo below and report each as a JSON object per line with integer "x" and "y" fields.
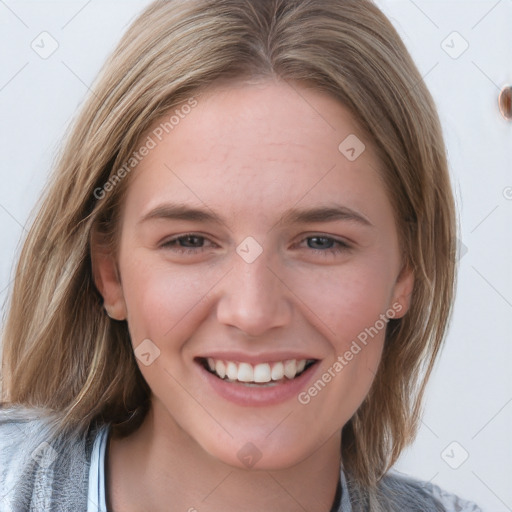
{"x": 271, "y": 114}
{"x": 255, "y": 146}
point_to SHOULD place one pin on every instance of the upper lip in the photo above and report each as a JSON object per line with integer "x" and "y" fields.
{"x": 267, "y": 357}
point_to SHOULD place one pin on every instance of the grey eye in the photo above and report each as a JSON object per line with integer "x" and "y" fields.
{"x": 320, "y": 242}
{"x": 191, "y": 241}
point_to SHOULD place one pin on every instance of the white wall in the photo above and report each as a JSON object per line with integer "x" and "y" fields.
{"x": 469, "y": 399}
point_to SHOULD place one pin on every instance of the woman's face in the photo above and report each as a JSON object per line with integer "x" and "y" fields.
{"x": 251, "y": 239}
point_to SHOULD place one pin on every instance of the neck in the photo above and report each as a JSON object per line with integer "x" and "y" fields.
{"x": 159, "y": 464}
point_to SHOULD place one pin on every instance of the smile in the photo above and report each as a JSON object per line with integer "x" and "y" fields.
{"x": 262, "y": 373}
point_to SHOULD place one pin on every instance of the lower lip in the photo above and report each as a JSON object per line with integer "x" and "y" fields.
{"x": 254, "y": 396}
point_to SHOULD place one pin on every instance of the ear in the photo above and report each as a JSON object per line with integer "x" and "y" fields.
{"x": 402, "y": 292}
{"x": 107, "y": 280}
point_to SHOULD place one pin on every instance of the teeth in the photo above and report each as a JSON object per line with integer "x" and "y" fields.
{"x": 220, "y": 369}
{"x": 245, "y": 372}
{"x": 259, "y": 374}
{"x": 262, "y": 373}
{"x": 232, "y": 371}
{"x": 277, "y": 371}
{"x": 290, "y": 368}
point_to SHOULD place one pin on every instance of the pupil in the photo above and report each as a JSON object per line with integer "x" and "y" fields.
{"x": 322, "y": 242}
{"x": 190, "y": 240}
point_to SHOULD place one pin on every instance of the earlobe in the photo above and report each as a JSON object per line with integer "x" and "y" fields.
{"x": 107, "y": 281}
{"x": 404, "y": 287}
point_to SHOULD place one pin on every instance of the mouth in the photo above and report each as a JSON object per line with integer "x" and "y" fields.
{"x": 266, "y": 374}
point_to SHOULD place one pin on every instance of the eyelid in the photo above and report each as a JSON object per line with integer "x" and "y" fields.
{"x": 168, "y": 241}
{"x": 340, "y": 244}
{"x": 319, "y": 234}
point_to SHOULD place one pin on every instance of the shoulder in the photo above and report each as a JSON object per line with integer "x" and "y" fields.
{"x": 439, "y": 499}
{"x": 40, "y": 469}
{"x": 21, "y": 431}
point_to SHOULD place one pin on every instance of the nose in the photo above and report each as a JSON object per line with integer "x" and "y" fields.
{"x": 253, "y": 297}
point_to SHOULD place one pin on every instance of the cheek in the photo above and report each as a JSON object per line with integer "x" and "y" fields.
{"x": 160, "y": 300}
{"x": 344, "y": 301}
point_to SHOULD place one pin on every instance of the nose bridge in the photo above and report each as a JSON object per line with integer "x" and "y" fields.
{"x": 253, "y": 299}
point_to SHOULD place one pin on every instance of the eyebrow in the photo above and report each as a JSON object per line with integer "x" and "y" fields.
{"x": 177, "y": 211}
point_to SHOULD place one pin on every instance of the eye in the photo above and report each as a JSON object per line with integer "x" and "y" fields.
{"x": 192, "y": 243}
{"x": 189, "y": 243}
{"x": 326, "y": 245}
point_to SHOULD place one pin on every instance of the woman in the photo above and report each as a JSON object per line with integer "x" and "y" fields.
{"x": 240, "y": 276}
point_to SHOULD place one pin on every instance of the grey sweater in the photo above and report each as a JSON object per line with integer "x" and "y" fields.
{"x": 43, "y": 473}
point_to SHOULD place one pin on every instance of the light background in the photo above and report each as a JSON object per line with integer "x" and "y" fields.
{"x": 469, "y": 398}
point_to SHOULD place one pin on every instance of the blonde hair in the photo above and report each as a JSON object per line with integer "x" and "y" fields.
{"x": 60, "y": 350}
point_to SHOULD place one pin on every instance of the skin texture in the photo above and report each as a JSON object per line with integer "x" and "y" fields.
{"x": 249, "y": 152}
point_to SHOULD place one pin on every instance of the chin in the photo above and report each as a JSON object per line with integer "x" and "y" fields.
{"x": 259, "y": 454}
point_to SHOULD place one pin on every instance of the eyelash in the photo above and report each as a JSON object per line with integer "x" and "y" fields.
{"x": 171, "y": 244}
